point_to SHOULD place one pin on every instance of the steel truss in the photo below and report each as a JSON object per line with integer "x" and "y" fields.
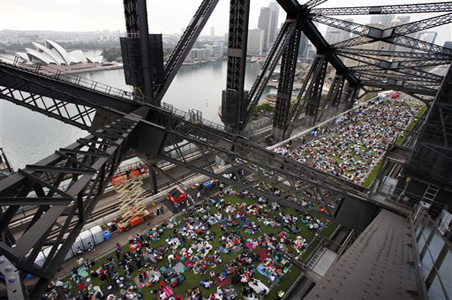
{"x": 234, "y": 96}
{"x": 431, "y": 160}
{"x": 66, "y": 187}
{"x": 285, "y": 86}
{"x": 184, "y": 46}
{"x": 386, "y": 9}
{"x": 268, "y": 67}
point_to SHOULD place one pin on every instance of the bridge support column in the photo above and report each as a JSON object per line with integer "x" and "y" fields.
{"x": 285, "y": 86}
{"x": 233, "y": 107}
{"x": 153, "y": 178}
{"x": 314, "y": 91}
{"x": 330, "y": 107}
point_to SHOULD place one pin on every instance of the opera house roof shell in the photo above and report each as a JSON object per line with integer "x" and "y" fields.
{"x": 52, "y": 53}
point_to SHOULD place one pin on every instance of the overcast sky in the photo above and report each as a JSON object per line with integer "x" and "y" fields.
{"x": 165, "y": 16}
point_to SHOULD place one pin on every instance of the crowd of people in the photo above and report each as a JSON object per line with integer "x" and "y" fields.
{"x": 253, "y": 232}
{"x": 357, "y": 143}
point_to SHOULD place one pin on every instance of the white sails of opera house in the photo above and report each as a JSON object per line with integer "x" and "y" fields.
{"x": 52, "y": 53}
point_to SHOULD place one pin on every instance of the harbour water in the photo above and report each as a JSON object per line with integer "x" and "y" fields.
{"x": 28, "y": 136}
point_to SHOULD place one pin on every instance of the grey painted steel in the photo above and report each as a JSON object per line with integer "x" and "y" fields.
{"x": 90, "y": 162}
{"x": 184, "y": 45}
{"x": 234, "y": 95}
{"x": 386, "y": 9}
{"x": 285, "y": 86}
{"x": 377, "y": 265}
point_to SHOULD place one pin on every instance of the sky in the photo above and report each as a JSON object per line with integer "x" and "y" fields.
{"x": 165, "y": 16}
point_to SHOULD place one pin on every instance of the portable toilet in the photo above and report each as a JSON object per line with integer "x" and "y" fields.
{"x": 86, "y": 238}
{"x": 40, "y": 259}
{"x": 76, "y": 245}
{"x": 107, "y": 235}
{"x": 97, "y": 234}
{"x": 46, "y": 252}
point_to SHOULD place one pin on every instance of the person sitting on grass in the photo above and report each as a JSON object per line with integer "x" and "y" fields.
{"x": 208, "y": 283}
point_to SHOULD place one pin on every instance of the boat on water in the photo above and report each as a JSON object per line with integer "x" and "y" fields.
{"x": 6, "y": 168}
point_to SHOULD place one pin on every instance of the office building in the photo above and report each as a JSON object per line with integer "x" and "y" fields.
{"x": 256, "y": 41}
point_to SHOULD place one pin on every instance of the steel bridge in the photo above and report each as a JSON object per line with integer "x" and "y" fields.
{"x": 66, "y": 185}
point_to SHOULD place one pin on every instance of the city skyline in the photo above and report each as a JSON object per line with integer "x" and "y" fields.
{"x": 85, "y": 15}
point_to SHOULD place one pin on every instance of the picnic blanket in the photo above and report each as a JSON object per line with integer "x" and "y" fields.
{"x": 263, "y": 253}
{"x": 261, "y": 269}
{"x": 226, "y": 281}
{"x": 82, "y": 271}
{"x": 236, "y": 248}
{"x": 229, "y": 291}
{"x": 258, "y": 286}
{"x": 180, "y": 267}
{"x": 168, "y": 291}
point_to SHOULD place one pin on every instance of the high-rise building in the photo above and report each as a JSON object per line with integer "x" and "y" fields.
{"x": 264, "y": 24}
{"x": 427, "y": 36}
{"x": 274, "y": 14}
{"x": 268, "y": 22}
{"x": 384, "y": 20}
{"x": 212, "y": 31}
{"x": 255, "y": 42}
{"x": 400, "y": 20}
{"x": 333, "y": 35}
{"x": 303, "y": 49}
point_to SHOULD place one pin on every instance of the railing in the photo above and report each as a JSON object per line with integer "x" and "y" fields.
{"x": 98, "y": 87}
{"x": 434, "y": 256}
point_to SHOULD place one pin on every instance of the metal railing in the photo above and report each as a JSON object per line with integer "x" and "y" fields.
{"x": 98, "y": 87}
{"x": 434, "y": 256}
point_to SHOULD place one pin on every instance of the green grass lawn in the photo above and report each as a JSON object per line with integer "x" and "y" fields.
{"x": 192, "y": 280}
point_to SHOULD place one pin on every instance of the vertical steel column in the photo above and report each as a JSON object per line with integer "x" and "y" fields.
{"x": 330, "y": 106}
{"x": 233, "y": 104}
{"x": 153, "y": 176}
{"x": 314, "y": 91}
{"x": 145, "y": 52}
{"x": 285, "y": 86}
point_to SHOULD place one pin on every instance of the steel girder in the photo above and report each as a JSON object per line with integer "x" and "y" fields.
{"x": 394, "y": 54}
{"x": 315, "y": 37}
{"x": 313, "y": 3}
{"x": 290, "y": 6}
{"x": 431, "y": 159}
{"x": 244, "y": 158}
{"x": 131, "y": 17}
{"x": 314, "y": 90}
{"x": 404, "y": 41}
{"x": 65, "y": 100}
{"x": 396, "y": 86}
{"x": 235, "y": 76}
{"x": 403, "y": 64}
{"x": 407, "y": 75}
{"x": 335, "y": 94}
{"x": 424, "y": 24}
{"x": 377, "y": 33}
{"x": 386, "y": 9}
{"x": 309, "y": 85}
{"x": 285, "y": 86}
{"x": 268, "y": 67}
{"x": 67, "y": 186}
{"x": 184, "y": 46}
